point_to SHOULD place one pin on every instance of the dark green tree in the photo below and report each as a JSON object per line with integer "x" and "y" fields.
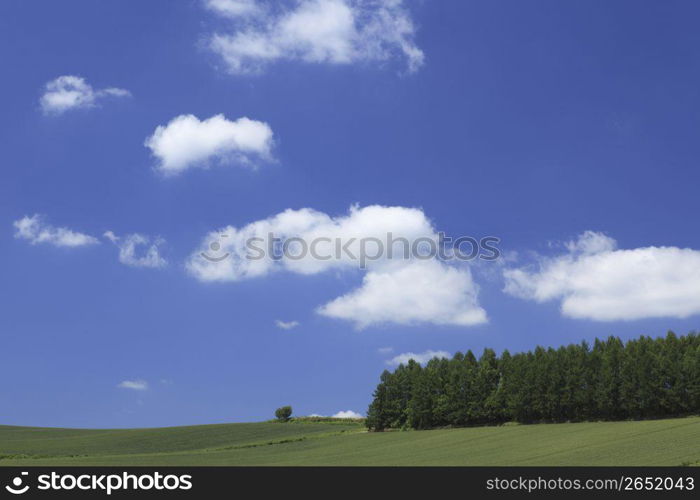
{"x": 283, "y": 413}
{"x": 377, "y": 417}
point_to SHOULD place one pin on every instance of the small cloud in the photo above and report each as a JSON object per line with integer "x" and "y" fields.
{"x": 286, "y": 325}
{"x": 347, "y": 414}
{"x": 73, "y": 92}
{"x": 134, "y": 385}
{"x": 128, "y": 254}
{"x": 421, "y": 358}
{"x": 234, "y": 8}
{"x": 187, "y": 142}
{"x": 36, "y": 230}
{"x": 385, "y": 350}
{"x": 111, "y": 236}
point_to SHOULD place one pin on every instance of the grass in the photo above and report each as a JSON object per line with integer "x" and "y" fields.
{"x": 652, "y": 442}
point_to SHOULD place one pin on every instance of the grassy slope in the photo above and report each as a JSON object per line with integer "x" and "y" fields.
{"x": 659, "y": 442}
{"x": 50, "y": 441}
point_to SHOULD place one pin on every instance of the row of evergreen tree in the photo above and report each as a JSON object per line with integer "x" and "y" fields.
{"x": 642, "y": 378}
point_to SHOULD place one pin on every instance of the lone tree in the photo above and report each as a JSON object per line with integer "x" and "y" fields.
{"x": 284, "y": 413}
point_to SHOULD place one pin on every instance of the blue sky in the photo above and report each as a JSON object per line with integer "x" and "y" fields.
{"x": 531, "y": 122}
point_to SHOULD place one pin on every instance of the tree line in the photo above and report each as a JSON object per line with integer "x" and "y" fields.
{"x": 612, "y": 380}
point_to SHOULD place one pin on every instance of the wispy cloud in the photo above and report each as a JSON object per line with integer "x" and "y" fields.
{"x": 129, "y": 254}
{"x": 234, "y": 8}
{"x": 314, "y": 31}
{"x": 134, "y": 385}
{"x": 73, "y": 92}
{"x": 286, "y": 325}
{"x": 36, "y": 230}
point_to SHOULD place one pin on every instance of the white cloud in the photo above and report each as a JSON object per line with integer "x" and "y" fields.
{"x": 315, "y": 31}
{"x": 135, "y": 385}
{"x": 187, "y": 142}
{"x": 234, "y": 8}
{"x": 36, "y": 230}
{"x": 373, "y": 221}
{"x": 420, "y": 358}
{"x": 73, "y": 92}
{"x": 385, "y": 350}
{"x": 286, "y": 325}
{"x": 591, "y": 242}
{"x": 129, "y": 254}
{"x": 403, "y": 291}
{"x": 347, "y": 414}
{"x": 595, "y": 280}
{"x": 419, "y": 292}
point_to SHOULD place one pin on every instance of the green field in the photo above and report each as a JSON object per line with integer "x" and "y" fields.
{"x": 652, "y": 442}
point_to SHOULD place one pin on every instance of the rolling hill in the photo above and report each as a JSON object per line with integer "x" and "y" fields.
{"x": 651, "y": 442}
